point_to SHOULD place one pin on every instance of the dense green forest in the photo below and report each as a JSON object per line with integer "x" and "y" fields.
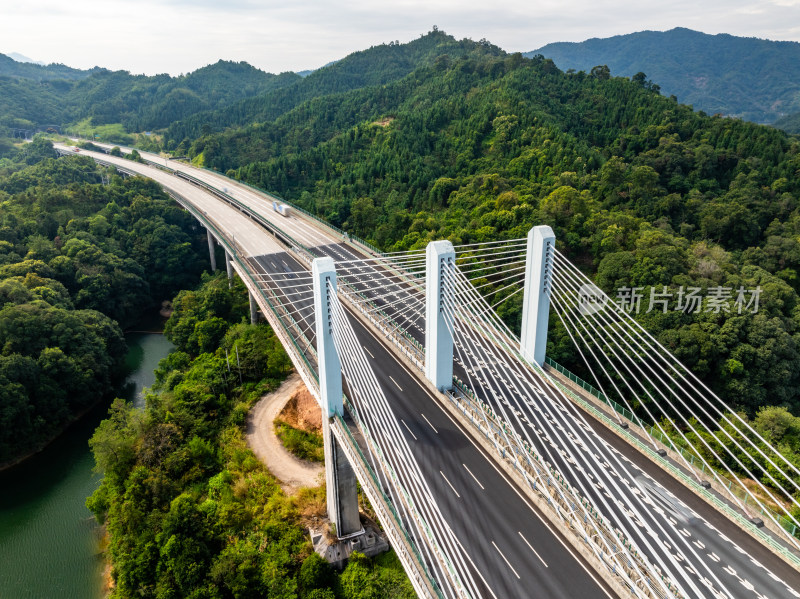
{"x": 79, "y": 261}
{"x": 34, "y": 98}
{"x": 190, "y": 510}
{"x": 370, "y": 68}
{"x": 641, "y": 191}
{"x": 38, "y": 72}
{"x": 750, "y": 78}
{"x": 790, "y": 123}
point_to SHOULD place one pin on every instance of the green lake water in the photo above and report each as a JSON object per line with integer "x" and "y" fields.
{"x": 48, "y": 539}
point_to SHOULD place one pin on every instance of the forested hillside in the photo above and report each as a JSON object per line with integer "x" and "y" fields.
{"x": 641, "y": 191}
{"x": 37, "y": 72}
{"x": 438, "y": 138}
{"x": 189, "y": 509}
{"x": 749, "y": 78}
{"x": 789, "y": 123}
{"x": 135, "y": 102}
{"x": 79, "y": 261}
{"x": 376, "y": 66}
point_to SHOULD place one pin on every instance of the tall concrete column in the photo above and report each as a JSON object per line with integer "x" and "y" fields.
{"x": 253, "y": 308}
{"x": 440, "y": 258}
{"x": 211, "y": 253}
{"x": 339, "y": 475}
{"x": 229, "y": 266}
{"x": 536, "y": 301}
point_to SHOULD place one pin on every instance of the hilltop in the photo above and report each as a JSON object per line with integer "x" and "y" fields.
{"x": 754, "y": 79}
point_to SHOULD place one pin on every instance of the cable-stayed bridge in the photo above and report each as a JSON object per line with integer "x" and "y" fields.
{"x": 401, "y": 334}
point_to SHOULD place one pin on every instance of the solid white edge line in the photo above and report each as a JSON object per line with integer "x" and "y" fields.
{"x": 452, "y": 487}
{"x": 474, "y": 477}
{"x": 506, "y": 560}
{"x": 557, "y": 535}
{"x": 532, "y": 549}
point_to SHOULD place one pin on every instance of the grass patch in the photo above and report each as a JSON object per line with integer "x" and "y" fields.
{"x": 305, "y": 445}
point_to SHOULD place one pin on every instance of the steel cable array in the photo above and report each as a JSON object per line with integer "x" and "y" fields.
{"x": 683, "y": 400}
{"x": 396, "y": 462}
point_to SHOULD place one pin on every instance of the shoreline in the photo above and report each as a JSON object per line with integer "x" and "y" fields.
{"x": 71, "y": 421}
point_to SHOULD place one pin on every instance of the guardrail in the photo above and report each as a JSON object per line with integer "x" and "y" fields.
{"x": 294, "y": 206}
{"x": 386, "y": 501}
{"x": 721, "y": 505}
{"x": 368, "y": 478}
{"x": 521, "y": 456}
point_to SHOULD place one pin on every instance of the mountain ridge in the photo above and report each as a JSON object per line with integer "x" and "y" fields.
{"x": 746, "y": 77}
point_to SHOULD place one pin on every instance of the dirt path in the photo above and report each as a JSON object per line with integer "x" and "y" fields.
{"x": 292, "y": 472}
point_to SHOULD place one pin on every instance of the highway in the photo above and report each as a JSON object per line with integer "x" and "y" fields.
{"x": 512, "y": 547}
{"x": 459, "y": 473}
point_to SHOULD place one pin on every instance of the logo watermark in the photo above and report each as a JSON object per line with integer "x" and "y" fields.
{"x": 689, "y": 300}
{"x": 590, "y": 299}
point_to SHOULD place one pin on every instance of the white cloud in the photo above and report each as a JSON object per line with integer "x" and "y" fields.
{"x": 177, "y": 36}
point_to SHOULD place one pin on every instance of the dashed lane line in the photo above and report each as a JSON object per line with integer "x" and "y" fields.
{"x": 505, "y": 559}
{"x": 452, "y": 487}
{"x": 429, "y": 423}
{"x": 534, "y": 550}
{"x": 473, "y": 477}
{"x": 408, "y": 429}
{"x": 396, "y": 385}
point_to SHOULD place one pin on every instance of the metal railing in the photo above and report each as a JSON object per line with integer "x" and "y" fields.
{"x": 691, "y": 457}
{"x": 521, "y": 456}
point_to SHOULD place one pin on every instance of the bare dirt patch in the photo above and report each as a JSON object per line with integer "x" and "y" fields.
{"x": 292, "y": 472}
{"x": 303, "y": 412}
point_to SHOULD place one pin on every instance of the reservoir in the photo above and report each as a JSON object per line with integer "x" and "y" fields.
{"x": 49, "y": 541}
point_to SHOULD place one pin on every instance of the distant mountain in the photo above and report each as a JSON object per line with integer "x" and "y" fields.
{"x": 22, "y": 58}
{"x": 34, "y": 95}
{"x": 374, "y": 66}
{"x": 754, "y": 79}
{"x": 12, "y": 67}
{"x": 789, "y": 123}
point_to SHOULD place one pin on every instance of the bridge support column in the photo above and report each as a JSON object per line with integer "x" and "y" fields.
{"x": 212, "y": 256}
{"x": 536, "y": 301}
{"x": 229, "y": 266}
{"x": 440, "y": 259}
{"x": 339, "y": 474}
{"x": 253, "y": 308}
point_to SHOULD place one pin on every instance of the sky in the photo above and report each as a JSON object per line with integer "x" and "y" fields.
{"x": 179, "y": 36}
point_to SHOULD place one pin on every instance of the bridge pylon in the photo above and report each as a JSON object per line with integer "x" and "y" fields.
{"x": 212, "y": 256}
{"x": 253, "y": 307}
{"x": 229, "y": 266}
{"x": 440, "y": 262}
{"x": 340, "y": 477}
{"x": 536, "y": 300}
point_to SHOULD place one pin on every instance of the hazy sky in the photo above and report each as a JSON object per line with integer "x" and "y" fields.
{"x": 177, "y": 36}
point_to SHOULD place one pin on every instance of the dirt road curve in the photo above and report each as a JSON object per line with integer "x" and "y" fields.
{"x": 292, "y": 472}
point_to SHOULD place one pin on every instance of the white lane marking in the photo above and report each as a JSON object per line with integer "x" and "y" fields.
{"x": 714, "y": 556}
{"x": 369, "y": 352}
{"x": 408, "y": 429}
{"x": 429, "y": 422}
{"x": 473, "y": 476}
{"x": 534, "y": 550}
{"x": 524, "y": 498}
{"x": 504, "y": 557}
{"x": 396, "y": 385}
{"x": 451, "y": 486}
